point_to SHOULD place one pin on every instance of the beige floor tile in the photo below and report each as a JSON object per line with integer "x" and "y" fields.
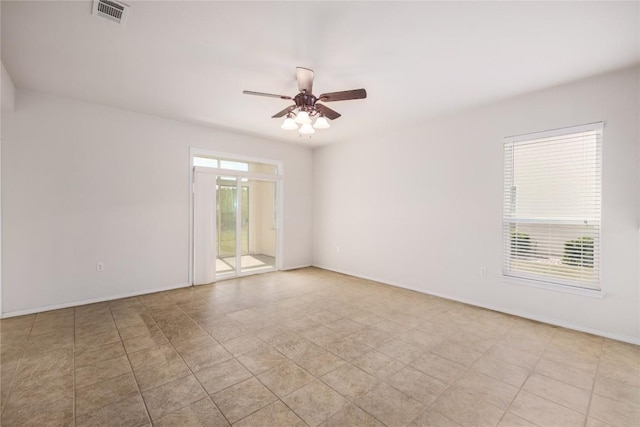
{"x": 292, "y": 345}
{"x": 315, "y": 402}
{"x": 592, "y": 422}
{"x": 152, "y": 356}
{"x": 350, "y": 381}
{"x": 417, "y": 385}
{"x": 226, "y": 331}
{"x": 430, "y": 418}
{"x": 243, "y": 344}
{"x": 351, "y": 415}
{"x": 261, "y": 359}
{"x": 275, "y": 414}
{"x": 486, "y": 388}
{"x": 324, "y": 316}
{"x": 242, "y": 399}
{"x": 144, "y": 342}
{"x": 558, "y": 392}
{"x": 320, "y": 335}
{"x": 620, "y": 370}
{"x": 270, "y": 333}
{"x": 565, "y": 373}
{"x": 365, "y": 317}
{"x": 40, "y": 413}
{"x": 523, "y": 343}
{"x": 97, "y": 372}
{"x": 96, "y": 340}
{"x": 33, "y": 370}
{"x": 390, "y": 406}
{"x": 128, "y": 411}
{"x": 34, "y": 394}
{"x": 98, "y": 354}
{"x": 544, "y": 412}
{"x": 617, "y": 390}
{"x": 195, "y": 342}
{"x": 510, "y": 420}
{"x": 345, "y": 326}
{"x": 572, "y": 357}
{"x": 378, "y": 364}
{"x": 372, "y": 337}
{"x": 400, "y": 350}
{"x": 614, "y": 412}
{"x": 347, "y": 348}
{"x": 149, "y": 377}
{"x": 318, "y": 361}
{"x": 95, "y": 396}
{"x": 501, "y": 370}
{"x": 172, "y": 396}
{"x": 205, "y": 357}
{"x": 457, "y": 353}
{"x": 473, "y": 342}
{"x": 514, "y": 356}
{"x": 438, "y": 367}
{"x": 422, "y": 341}
{"x": 285, "y": 378}
{"x": 466, "y": 409}
{"x": 222, "y": 375}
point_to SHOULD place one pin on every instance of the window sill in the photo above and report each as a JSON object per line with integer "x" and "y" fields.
{"x": 592, "y": 293}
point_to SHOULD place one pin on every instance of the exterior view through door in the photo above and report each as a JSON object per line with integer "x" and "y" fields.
{"x": 235, "y": 212}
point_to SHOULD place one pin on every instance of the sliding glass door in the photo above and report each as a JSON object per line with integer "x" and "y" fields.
{"x": 235, "y": 218}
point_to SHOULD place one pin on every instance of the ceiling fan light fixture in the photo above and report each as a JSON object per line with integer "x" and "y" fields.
{"x": 303, "y": 118}
{"x": 289, "y": 124}
{"x": 307, "y": 129}
{"x": 321, "y": 123}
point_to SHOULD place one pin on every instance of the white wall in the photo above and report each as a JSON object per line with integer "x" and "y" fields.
{"x": 421, "y": 206}
{"x": 7, "y": 90}
{"x": 83, "y": 183}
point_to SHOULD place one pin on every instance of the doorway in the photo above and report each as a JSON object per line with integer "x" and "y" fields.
{"x": 235, "y": 206}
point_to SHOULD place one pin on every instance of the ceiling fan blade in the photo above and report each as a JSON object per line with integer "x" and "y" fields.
{"x": 327, "y": 112}
{"x": 305, "y": 79}
{"x": 270, "y": 95}
{"x": 283, "y": 112}
{"x": 343, "y": 96}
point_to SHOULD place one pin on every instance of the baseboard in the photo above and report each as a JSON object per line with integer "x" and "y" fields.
{"x": 551, "y": 321}
{"x": 90, "y": 301}
{"x": 296, "y": 267}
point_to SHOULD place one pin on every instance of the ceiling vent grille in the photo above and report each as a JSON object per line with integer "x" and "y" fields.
{"x": 111, "y": 10}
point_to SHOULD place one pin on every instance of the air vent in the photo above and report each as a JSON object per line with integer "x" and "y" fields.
{"x": 111, "y": 10}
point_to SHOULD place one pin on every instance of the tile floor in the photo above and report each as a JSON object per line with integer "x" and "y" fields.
{"x": 308, "y": 347}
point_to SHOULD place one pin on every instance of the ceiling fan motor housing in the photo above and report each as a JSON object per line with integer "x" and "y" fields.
{"x": 305, "y": 100}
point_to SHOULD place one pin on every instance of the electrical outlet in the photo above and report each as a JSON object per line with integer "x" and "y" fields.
{"x": 483, "y": 271}
{"x": 100, "y": 266}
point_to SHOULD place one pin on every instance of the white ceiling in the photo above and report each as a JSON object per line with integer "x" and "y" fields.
{"x": 191, "y": 60}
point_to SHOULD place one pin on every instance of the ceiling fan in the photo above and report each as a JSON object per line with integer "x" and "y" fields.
{"x": 306, "y": 104}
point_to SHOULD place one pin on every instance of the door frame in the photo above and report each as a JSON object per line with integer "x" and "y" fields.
{"x": 278, "y": 179}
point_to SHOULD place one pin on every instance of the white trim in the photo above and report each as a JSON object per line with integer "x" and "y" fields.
{"x": 592, "y": 293}
{"x": 525, "y": 315}
{"x": 555, "y": 132}
{"x": 91, "y": 301}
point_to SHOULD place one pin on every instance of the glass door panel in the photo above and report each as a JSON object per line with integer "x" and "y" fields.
{"x": 259, "y": 225}
{"x": 226, "y": 225}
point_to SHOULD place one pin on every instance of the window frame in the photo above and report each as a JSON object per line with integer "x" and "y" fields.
{"x": 547, "y": 281}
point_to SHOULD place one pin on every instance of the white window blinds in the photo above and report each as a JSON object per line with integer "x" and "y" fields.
{"x": 551, "y": 216}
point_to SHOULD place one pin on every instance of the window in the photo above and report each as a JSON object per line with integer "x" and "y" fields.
{"x": 551, "y": 211}
{"x": 210, "y": 162}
